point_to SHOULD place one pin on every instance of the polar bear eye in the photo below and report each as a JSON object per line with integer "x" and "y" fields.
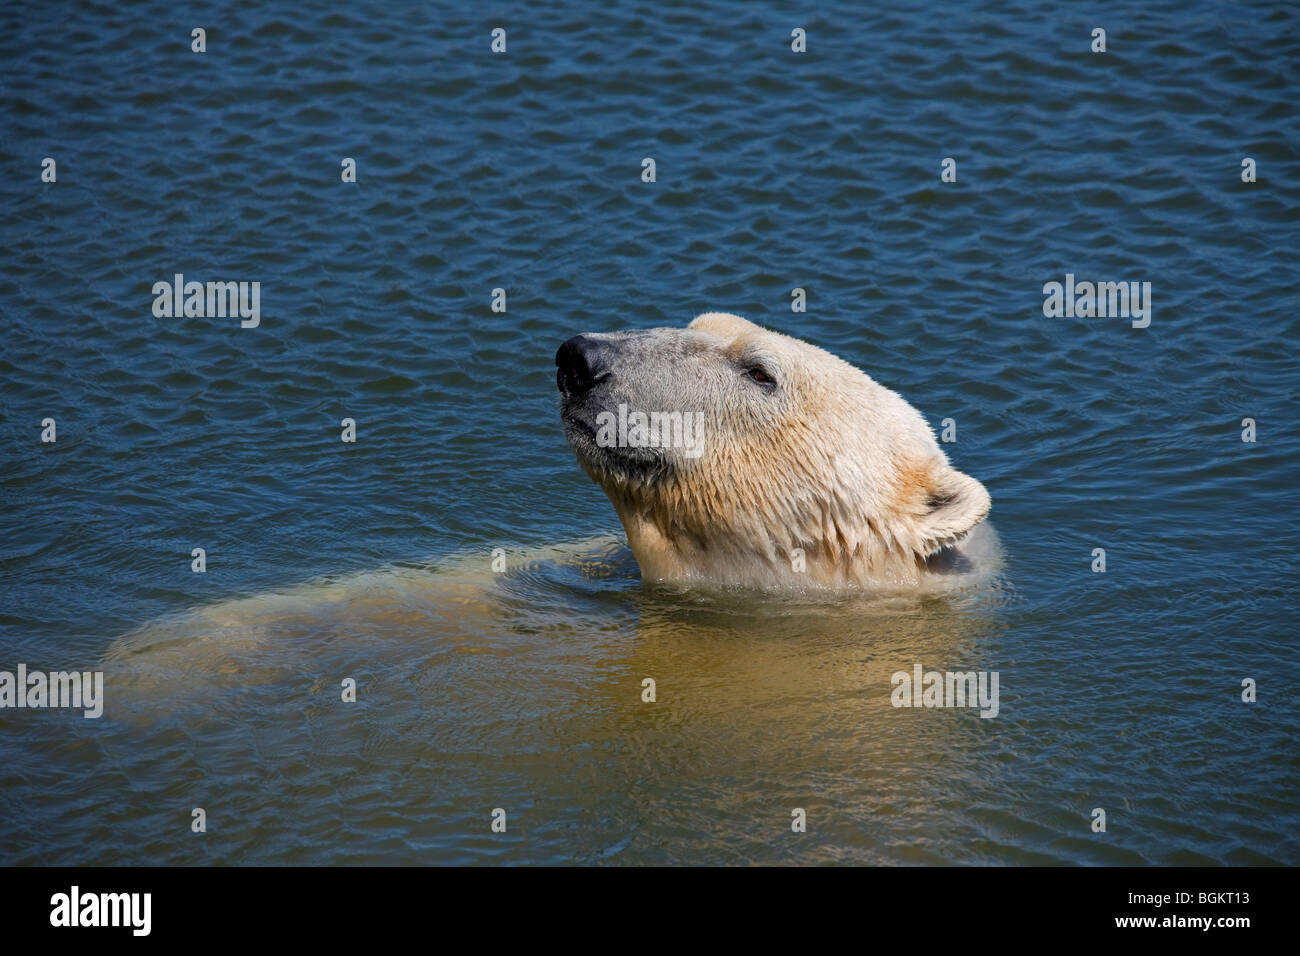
{"x": 760, "y": 375}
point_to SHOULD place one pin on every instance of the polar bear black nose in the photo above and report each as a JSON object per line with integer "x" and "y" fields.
{"x": 580, "y": 365}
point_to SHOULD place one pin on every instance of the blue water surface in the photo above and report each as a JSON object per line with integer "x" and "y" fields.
{"x": 522, "y": 171}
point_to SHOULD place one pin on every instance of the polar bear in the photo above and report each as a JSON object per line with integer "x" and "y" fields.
{"x": 771, "y": 464}
{"x": 737, "y": 456}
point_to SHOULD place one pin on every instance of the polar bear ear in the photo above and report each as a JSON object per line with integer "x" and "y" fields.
{"x": 954, "y": 504}
{"x": 722, "y": 323}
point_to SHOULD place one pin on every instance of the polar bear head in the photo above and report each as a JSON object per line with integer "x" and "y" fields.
{"x": 739, "y": 456}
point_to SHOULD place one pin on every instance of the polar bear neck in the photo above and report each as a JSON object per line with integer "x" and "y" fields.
{"x": 683, "y": 532}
